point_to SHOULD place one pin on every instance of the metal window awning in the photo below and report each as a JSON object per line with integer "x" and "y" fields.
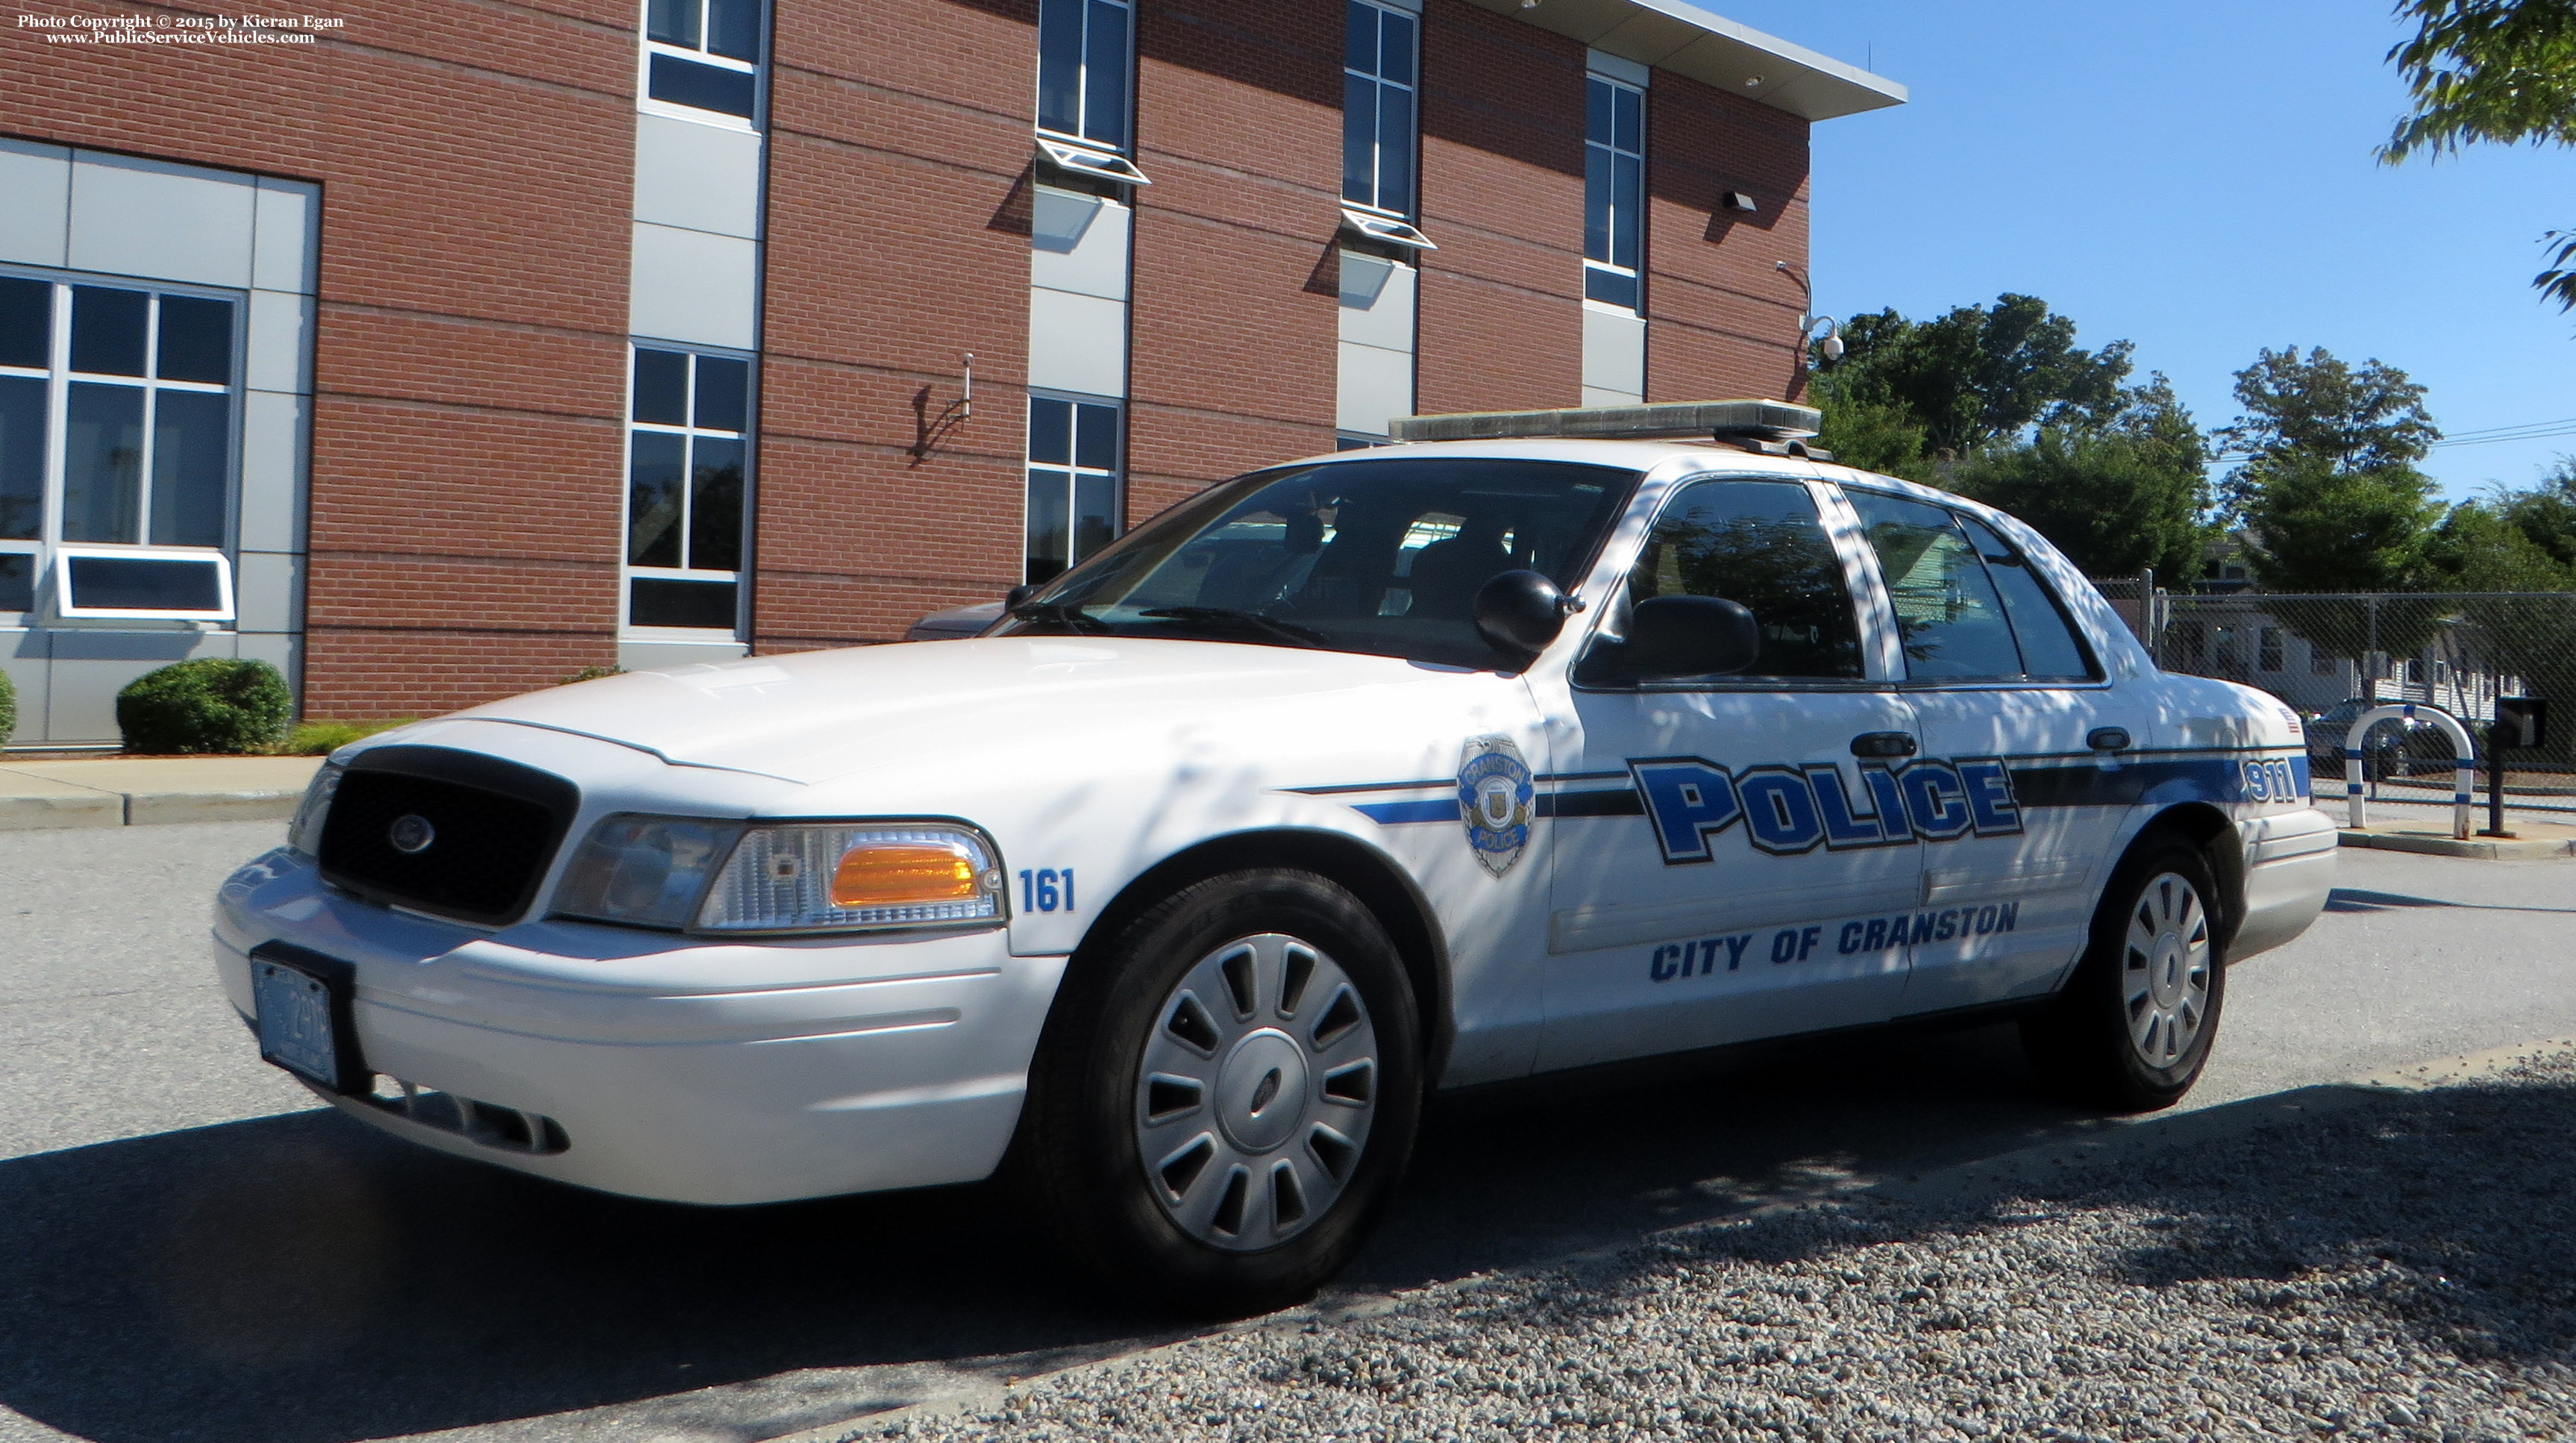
{"x": 1709, "y": 48}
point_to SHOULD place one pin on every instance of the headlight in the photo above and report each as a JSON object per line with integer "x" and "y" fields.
{"x": 842, "y": 875}
{"x": 644, "y": 871}
{"x": 304, "y": 834}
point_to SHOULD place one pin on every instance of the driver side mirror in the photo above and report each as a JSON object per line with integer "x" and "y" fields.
{"x": 1680, "y": 636}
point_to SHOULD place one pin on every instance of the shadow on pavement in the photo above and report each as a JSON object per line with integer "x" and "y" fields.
{"x": 2360, "y": 899}
{"x": 300, "y": 1279}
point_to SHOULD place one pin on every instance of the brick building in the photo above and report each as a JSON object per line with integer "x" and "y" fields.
{"x": 442, "y": 349}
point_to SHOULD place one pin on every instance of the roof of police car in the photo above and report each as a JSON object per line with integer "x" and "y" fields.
{"x": 1642, "y": 456}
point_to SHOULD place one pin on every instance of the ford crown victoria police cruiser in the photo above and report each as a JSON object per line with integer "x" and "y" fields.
{"x": 1418, "y": 767}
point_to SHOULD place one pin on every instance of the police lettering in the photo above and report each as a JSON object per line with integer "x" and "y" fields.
{"x": 1880, "y": 934}
{"x": 1677, "y": 959}
{"x": 1786, "y": 811}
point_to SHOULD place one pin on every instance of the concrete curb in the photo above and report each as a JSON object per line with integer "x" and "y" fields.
{"x": 2041, "y": 1165}
{"x": 149, "y": 791}
{"x": 2484, "y": 849}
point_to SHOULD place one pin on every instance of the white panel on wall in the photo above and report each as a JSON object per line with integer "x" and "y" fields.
{"x": 1077, "y": 343}
{"x": 1595, "y": 396}
{"x": 697, "y": 177}
{"x": 286, "y": 246}
{"x": 268, "y": 590}
{"x": 281, "y": 343}
{"x": 1378, "y": 301}
{"x": 646, "y": 655}
{"x": 37, "y": 181}
{"x": 1078, "y": 243}
{"x": 279, "y": 650}
{"x": 272, "y": 475}
{"x": 1373, "y": 384}
{"x": 694, "y": 287}
{"x": 1614, "y": 351}
{"x": 167, "y": 222}
{"x": 1617, "y": 67}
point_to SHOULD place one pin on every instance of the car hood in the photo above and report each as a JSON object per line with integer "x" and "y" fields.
{"x": 822, "y": 715}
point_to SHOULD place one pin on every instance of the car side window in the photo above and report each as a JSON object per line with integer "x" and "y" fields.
{"x": 2051, "y": 650}
{"x": 1949, "y": 617}
{"x": 1763, "y": 545}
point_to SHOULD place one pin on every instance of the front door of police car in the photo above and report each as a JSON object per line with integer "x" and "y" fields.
{"x": 1719, "y": 852}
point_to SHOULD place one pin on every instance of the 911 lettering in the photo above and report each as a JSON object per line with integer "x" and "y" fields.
{"x": 1787, "y": 811}
{"x": 2271, "y": 781}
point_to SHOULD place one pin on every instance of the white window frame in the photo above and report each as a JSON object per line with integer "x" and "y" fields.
{"x": 649, "y": 47}
{"x": 627, "y": 572}
{"x": 1074, "y": 471}
{"x": 1413, "y": 140}
{"x": 1082, "y": 86}
{"x": 48, "y": 546}
{"x": 1636, "y": 274}
{"x": 64, "y": 596}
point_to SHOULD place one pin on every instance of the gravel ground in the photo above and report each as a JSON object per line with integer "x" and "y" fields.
{"x": 2397, "y": 1269}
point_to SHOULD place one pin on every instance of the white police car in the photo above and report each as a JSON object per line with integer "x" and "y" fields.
{"x": 1418, "y": 767}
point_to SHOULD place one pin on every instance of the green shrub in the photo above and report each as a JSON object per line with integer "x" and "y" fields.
{"x": 212, "y": 704}
{"x": 8, "y": 708}
{"x": 321, "y": 737}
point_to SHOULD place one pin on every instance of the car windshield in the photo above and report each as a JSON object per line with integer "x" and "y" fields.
{"x": 1382, "y": 557}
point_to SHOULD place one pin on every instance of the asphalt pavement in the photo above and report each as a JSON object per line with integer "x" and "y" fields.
{"x": 198, "y": 1251}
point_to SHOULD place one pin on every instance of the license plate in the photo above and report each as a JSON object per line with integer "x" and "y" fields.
{"x": 295, "y": 1023}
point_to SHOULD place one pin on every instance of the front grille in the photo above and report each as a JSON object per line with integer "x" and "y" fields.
{"x": 453, "y": 833}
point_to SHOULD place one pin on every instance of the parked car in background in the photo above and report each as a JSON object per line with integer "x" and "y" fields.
{"x": 2391, "y": 750}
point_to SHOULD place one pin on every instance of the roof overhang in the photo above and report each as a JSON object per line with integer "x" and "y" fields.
{"x": 1713, "y": 50}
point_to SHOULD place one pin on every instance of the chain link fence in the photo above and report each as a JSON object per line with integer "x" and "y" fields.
{"x": 2331, "y": 657}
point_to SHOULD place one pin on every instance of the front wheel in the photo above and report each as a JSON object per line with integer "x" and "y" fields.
{"x": 2133, "y": 1027}
{"x": 1226, "y": 1094}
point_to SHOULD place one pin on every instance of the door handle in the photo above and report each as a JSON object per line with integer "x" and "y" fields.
{"x": 1883, "y": 744}
{"x": 2108, "y": 739}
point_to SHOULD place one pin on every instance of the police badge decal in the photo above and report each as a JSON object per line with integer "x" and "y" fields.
{"x": 1495, "y": 798}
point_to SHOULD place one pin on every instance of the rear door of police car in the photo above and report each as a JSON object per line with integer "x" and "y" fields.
{"x": 2018, "y": 795}
{"x": 1715, "y": 836}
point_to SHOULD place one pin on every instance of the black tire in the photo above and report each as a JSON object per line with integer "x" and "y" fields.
{"x": 1078, "y": 1163}
{"x": 2087, "y": 1044}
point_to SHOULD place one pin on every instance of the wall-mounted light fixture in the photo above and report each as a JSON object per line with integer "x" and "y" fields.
{"x": 1738, "y": 200}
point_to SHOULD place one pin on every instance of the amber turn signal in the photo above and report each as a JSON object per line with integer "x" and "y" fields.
{"x": 905, "y": 874}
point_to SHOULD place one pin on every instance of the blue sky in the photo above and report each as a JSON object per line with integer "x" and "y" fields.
{"x": 2197, "y": 178}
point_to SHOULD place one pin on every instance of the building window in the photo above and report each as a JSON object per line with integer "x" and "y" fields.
{"x": 1379, "y": 51}
{"x": 1074, "y": 469}
{"x": 1614, "y": 212}
{"x": 1085, "y": 55}
{"x": 703, "y": 55}
{"x": 2323, "y": 663}
{"x": 117, "y": 423}
{"x": 687, "y": 482}
{"x": 2267, "y": 649}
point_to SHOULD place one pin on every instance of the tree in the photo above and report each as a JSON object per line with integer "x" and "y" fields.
{"x": 2317, "y": 407}
{"x": 1978, "y": 373}
{"x": 2115, "y": 499}
{"x": 2320, "y": 527}
{"x": 2512, "y": 540}
{"x": 2496, "y": 72}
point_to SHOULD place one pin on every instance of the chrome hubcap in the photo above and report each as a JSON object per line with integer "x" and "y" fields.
{"x": 2165, "y": 970}
{"x": 1255, "y": 1093}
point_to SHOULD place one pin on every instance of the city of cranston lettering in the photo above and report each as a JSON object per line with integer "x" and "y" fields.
{"x": 1707, "y": 956}
{"x": 1787, "y": 810}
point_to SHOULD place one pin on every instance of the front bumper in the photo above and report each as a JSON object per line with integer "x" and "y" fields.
{"x": 673, "y": 1067}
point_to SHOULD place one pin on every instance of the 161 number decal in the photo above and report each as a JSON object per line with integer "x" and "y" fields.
{"x": 1046, "y": 890}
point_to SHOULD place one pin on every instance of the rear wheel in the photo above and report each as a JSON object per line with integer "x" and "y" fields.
{"x": 2134, "y": 1026}
{"x": 1226, "y": 1094}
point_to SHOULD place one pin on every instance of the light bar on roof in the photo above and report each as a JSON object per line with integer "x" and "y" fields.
{"x": 1760, "y": 420}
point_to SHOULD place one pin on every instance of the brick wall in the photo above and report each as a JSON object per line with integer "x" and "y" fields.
{"x": 897, "y": 243}
{"x": 1721, "y": 321}
{"x": 1502, "y": 193}
{"x": 1235, "y": 311}
{"x": 471, "y": 313}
